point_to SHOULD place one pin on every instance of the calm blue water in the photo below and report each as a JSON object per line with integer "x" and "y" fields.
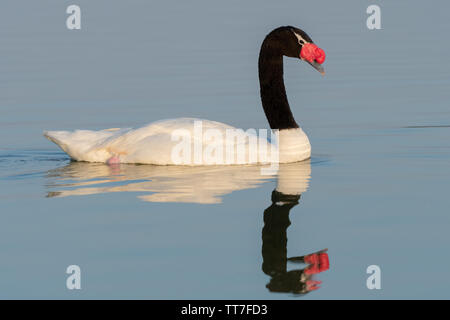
{"x": 376, "y": 187}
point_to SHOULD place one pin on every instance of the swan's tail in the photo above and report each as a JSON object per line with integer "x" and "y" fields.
{"x": 82, "y": 145}
{"x": 61, "y": 138}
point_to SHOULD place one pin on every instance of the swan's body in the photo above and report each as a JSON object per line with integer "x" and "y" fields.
{"x": 155, "y": 143}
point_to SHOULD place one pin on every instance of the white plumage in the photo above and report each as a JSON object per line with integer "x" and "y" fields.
{"x": 154, "y": 143}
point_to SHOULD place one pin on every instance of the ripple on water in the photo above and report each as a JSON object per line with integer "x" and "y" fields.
{"x": 428, "y": 126}
{"x": 25, "y": 164}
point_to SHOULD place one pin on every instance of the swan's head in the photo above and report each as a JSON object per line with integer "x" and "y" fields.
{"x": 295, "y": 43}
{"x": 308, "y": 51}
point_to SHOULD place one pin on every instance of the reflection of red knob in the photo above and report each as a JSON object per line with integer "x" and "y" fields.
{"x": 312, "y": 285}
{"x": 324, "y": 262}
{"x": 312, "y": 258}
{"x": 313, "y": 269}
{"x": 318, "y": 262}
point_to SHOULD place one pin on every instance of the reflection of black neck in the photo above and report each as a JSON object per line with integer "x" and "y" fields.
{"x": 272, "y": 89}
{"x": 274, "y": 247}
{"x": 276, "y": 222}
{"x": 274, "y": 250}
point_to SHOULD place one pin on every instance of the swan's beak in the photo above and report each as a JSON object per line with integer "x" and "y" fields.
{"x": 317, "y": 66}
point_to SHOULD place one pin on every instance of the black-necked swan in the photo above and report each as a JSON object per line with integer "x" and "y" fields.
{"x": 155, "y": 143}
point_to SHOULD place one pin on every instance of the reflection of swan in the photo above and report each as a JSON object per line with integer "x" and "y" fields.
{"x": 201, "y": 184}
{"x": 154, "y": 143}
{"x": 274, "y": 247}
{"x": 207, "y": 184}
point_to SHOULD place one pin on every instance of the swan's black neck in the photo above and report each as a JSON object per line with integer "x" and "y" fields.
{"x": 273, "y": 92}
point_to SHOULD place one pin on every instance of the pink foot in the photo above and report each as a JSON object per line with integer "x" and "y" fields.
{"x": 113, "y": 160}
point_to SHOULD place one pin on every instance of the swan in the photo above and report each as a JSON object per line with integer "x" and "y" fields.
{"x": 155, "y": 143}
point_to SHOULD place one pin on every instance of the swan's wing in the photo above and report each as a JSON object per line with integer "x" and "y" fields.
{"x": 158, "y": 142}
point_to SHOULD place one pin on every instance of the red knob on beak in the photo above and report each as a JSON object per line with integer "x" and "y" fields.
{"x": 310, "y": 52}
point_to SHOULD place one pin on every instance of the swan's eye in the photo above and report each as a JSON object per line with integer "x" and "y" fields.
{"x": 300, "y": 39}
